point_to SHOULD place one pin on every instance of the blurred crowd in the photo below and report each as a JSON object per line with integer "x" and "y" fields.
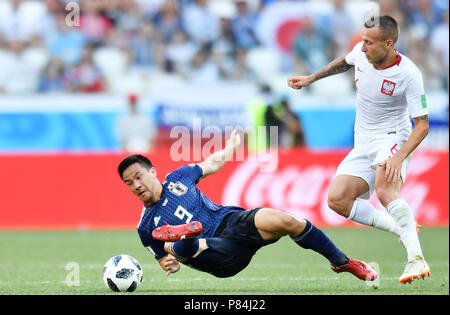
{"x": 56, "y": 50}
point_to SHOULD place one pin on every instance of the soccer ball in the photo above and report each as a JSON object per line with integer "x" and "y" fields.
{"x": 122, "y": 273}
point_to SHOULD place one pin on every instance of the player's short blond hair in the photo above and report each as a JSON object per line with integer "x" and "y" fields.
{"x": 387, "y": 24}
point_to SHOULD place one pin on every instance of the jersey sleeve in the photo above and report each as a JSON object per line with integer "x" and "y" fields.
{"x": 415, "y": 96}
{"x": 350, "y": 58}
{"x": 154, "y": 246}
{"x": 192, "y": 171}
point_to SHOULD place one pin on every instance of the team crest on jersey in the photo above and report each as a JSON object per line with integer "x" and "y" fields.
{"x": 177, "y": 188}
{"x": 388, "y": 87}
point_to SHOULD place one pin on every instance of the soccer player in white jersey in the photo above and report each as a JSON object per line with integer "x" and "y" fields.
{"x": 389, "y": 90}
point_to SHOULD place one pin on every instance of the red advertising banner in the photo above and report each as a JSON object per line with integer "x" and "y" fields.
{"x": 84, "y": 191}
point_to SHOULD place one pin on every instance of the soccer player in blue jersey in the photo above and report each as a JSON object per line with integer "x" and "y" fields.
{"x": 180, "y": 224}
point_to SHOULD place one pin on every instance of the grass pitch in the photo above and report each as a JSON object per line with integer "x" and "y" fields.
{"x": 43, "y": 263}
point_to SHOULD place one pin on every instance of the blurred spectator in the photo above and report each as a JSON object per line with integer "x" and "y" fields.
{"x": 341, "y": 28}
{"x": 290, "y": 131}
{"x": 166, "y": 35}
{"x": 149, "y": 7}
{"x": 419, "y": 53}
{"x": 129, "y": 17}
{"x": 48, "y": 24}
{"x": 203, "y": 69}
{"x": 18, "y": 24}
{"x": 225, "y": 41}
{"x": 241, "y": 71}
{"x": 67, "y": 42}
{"x": 440, "y": 45}
{"x": 243, "y": 26}
{"x": 86, "y": 76}
{"x": 168, "y": 20}
{"x": 392, "y": 8}
{"x": 180, "y": 53}
{"x": 135, "y": 131}
{"x": 225, "y": 53}
{"x": 232, "y": 66}
{"x": 422, "y": 18}
{"x": 18, "y": 74}
{"x": 53, "y": 77}
{"x": 311, "y": 48}
{"x": 200, "y": 23}
{"x": 93, "y": 24}
{"x": 146, "y": 46}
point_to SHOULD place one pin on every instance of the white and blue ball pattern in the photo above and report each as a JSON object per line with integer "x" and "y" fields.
{"x": 122, "y": 273}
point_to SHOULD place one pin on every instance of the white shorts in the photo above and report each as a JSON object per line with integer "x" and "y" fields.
{"x": 362, "y": 161}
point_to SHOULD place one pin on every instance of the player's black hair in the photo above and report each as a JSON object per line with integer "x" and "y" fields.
{"x": 387, "y": 24}
{"x": 132, "y": 159}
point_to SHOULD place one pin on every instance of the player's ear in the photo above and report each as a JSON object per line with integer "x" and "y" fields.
{"x": 390, "y": 43}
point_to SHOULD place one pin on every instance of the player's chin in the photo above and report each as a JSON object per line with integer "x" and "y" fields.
{"x": 145, "y": 196}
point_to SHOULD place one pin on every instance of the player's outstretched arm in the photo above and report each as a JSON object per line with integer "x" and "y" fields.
{"x": 218, "y": 159}
{"x": 338, "y": 65}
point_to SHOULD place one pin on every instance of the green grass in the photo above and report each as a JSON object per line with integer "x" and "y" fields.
{"x": 35, "y": 263}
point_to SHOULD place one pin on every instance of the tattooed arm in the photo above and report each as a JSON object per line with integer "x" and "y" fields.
{"x": 338, "y": 65}
{"x": 394, "y": 164}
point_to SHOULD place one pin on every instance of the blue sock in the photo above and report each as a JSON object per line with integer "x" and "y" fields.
{"x": 186, "y": 248}
{"x": 313, "y": 238}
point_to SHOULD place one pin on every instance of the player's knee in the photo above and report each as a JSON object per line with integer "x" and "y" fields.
{"x": 386, "y": 195}
{"x": 273, "y": 224}
{"x": 289, "y": 224}
{"x": 338, "y": 203}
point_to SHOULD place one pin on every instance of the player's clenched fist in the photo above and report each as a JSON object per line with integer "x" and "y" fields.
{"x": 298, "y": 82}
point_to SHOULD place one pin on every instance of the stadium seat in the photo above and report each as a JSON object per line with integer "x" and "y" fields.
{"x": 37, "y": 57}
{"x": 264, "y": 63}
{"x": 222, "y": 8}
{"x": 4, "y": 55}
{"x": 112, "y": 62}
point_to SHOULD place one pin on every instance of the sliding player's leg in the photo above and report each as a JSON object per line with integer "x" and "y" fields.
{"x": 273, "y": 224}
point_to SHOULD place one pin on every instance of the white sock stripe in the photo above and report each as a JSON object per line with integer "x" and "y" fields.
{"x": 302, "y": 235}
{"x": 393, "y": 204}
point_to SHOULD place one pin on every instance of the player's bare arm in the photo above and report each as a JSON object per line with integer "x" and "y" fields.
{"x": 394, "y": 164}
{"x": 218, "y": 159}
{"x": 337, "y": 66}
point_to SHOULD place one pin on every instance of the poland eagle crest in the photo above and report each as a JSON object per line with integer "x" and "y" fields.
{"x": 388, "y": 87}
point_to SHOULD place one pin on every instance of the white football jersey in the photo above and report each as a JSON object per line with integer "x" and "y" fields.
{"x": 386, "y": 98}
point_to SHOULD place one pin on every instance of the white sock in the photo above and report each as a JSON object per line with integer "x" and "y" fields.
{"x": 404, "y": 217}
{"x": 363, "y": 212}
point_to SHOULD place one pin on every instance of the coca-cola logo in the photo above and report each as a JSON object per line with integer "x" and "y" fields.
{"x": 416, "y": 190}
{"x": 299, "y": 190}
{"x": 302, "y": 189}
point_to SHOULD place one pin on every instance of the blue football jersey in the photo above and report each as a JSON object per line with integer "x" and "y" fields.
{"x": 181, "y": 202}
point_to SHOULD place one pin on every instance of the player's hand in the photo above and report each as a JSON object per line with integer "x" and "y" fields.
{"x": 169, "y": 264}
{"x": 298, "y": 82}
{"x": 234, "y": 141}
{"x": 393, "y": 167}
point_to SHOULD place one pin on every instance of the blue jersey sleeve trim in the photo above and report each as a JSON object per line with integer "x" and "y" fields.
{"x": 192, "y": 171}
